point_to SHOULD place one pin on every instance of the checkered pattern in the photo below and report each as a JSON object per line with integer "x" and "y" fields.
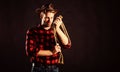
{"x": 40, "y": 39}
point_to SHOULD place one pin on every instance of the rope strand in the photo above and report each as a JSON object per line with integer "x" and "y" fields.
{"x": 61, "y": 58}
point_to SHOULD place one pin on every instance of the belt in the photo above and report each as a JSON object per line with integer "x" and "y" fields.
{"x": 44, "y": 65}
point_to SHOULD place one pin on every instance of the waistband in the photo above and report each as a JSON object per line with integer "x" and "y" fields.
{"x": 44, "y": 65}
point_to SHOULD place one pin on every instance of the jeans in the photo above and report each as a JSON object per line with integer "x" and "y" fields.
{"x": 45, "y": 68}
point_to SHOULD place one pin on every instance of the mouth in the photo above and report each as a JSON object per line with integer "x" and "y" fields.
{"x": 47, "y": 24}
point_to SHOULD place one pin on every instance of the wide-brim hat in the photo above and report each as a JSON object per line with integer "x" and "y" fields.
{"x": 46, "y": 8}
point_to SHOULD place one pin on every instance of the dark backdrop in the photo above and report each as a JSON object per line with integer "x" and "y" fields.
{"x": 90, "y": 25}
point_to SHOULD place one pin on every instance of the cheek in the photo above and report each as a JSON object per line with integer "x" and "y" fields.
{"x": 51, "y": 20}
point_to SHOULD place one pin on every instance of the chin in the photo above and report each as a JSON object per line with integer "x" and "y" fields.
{"x": 48, "y": 26}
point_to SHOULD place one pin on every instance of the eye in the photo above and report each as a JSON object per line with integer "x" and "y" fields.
{"x": 51, "y": 17}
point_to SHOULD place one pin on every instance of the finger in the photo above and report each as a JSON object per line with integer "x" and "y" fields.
{"x": 59, "y": 18}
{"x": 57, "y": 43}
{"x": 59, "y": 50}
{"x": 59, "y": 46}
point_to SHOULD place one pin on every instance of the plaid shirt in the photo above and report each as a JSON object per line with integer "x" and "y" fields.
{"x": 40, "y": 39}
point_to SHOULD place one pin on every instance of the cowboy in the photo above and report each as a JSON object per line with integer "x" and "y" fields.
{"x": 41, "y": 44}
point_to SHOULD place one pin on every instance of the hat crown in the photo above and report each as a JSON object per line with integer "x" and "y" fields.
{"x": 45, "y": 8}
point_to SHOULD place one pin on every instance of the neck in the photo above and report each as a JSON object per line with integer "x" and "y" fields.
{"x": 46, "y": 28}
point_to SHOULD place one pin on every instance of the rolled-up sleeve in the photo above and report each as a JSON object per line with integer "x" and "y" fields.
{"x": 30, "y": 45}
{"x": 68, "y": 45}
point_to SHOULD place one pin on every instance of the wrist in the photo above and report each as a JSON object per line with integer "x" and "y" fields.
{"x": 57, "y": 28}
{"x": 53, "y": 52}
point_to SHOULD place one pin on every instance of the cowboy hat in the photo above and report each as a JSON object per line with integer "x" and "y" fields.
{"x": 46, "y": 8}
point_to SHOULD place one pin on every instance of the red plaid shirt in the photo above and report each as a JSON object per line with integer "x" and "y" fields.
{"x": 40, "y": 39}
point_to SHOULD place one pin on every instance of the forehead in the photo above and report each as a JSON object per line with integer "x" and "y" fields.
{"x": 50, "y": 14}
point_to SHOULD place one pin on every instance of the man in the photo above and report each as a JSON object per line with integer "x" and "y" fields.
{"x": 41, "y": 43}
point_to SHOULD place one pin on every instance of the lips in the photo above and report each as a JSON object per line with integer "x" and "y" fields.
{"x": 49, "y": 23}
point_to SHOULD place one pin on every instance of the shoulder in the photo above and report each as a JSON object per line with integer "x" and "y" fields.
{"x": 33, "y": 29}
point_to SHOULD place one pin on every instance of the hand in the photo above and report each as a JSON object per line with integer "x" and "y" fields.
{"x": 42, "y": 16}
{"x": 58, "y": 21}
{"x": 57, "y": 49}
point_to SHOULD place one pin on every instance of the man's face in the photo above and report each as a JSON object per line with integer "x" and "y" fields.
{"x": 49, "y": 17}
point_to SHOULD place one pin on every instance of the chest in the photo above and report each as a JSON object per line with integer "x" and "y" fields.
{"x": 45, "y": 36}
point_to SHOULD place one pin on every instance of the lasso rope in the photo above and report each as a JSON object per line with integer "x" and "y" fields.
{"x": 61, "y": 58}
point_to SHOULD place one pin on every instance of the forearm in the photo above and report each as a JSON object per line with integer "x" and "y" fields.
{"x": 62, "y": 36}
{"x": 44, "y": 53}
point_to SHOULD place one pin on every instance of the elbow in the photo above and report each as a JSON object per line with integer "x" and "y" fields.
{"x": 68, "y": 45}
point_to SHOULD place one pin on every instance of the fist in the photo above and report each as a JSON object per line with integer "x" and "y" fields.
{"x": 58, "y": 21}
{"x": 57, "y": 49}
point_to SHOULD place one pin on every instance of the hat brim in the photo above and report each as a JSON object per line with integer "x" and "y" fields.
{"x": 39, "y": 10}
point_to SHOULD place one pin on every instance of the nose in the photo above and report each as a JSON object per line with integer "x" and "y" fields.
{"x": 48, "y": 20}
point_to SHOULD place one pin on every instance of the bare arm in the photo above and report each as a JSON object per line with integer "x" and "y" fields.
{"x": 49, "y": 52}
{"x": 60, "y": 33}
{"x": 45, "y": 53}
{"x": 62, "y": 36}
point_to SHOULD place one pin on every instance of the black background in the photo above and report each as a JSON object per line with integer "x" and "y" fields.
{"x": 92, "y": 26}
